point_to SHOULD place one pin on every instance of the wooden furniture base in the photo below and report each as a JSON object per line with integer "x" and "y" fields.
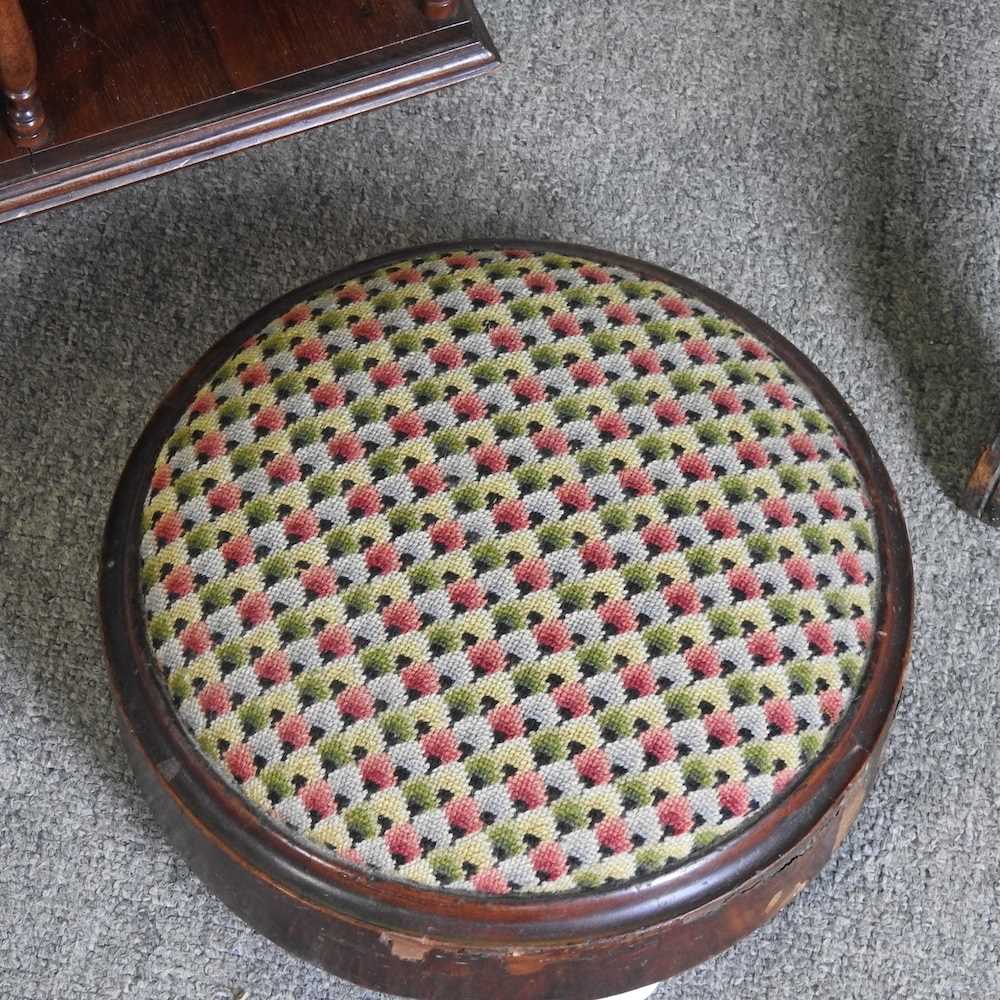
{"x": 135, "y": 88}
{"x": 982, "y": 492}
{"x": 379, "y": 927}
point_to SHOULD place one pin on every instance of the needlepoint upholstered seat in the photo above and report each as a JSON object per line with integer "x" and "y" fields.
{"x": 505, "y": 617}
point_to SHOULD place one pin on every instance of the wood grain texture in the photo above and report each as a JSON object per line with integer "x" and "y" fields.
{"x": 23, "y": 112}
{"x": 981, "y": 496}
{"x": 415, "y": 941}
{"x": 438, "y": 10}
{"x": 134, "y": 88}
{"x": 10, "y": 155}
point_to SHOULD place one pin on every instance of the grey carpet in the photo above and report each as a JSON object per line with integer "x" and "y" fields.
{"x": 833, "y": 166}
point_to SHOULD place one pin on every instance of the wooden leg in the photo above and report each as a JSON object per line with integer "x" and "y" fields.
{"x": 982, "y": 491}
{"x": 18, "y": 71}
{"x": 438, "y": 10}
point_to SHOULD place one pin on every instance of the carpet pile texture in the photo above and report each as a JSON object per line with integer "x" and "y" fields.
{"x": 834, "y": 168}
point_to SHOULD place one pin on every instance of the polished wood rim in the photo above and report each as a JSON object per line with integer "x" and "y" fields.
{"x": 721, "y": 893}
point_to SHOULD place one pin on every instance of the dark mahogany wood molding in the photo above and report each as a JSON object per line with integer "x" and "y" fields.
{"x": 128, "y": 89}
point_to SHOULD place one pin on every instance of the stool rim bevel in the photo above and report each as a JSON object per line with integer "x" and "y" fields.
{"x": 360, "y": 896}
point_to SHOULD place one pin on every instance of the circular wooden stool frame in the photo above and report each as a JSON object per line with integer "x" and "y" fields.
{"x": 416, "y": 941}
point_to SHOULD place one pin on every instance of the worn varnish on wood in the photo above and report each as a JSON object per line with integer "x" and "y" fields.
{"x": 410, "y": 940}
{"x": 982, "y": 492}
{"x": 133, "y": 88}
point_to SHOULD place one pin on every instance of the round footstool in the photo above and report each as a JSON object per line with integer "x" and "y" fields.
{"x": 511, "y": 620}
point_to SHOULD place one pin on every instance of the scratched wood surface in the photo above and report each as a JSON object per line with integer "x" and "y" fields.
{"x": 8, "y": 151}
{"x": 982, "y": 491}
{"x": 105, "y": 65}
{"x": 414, "y": 941}
{"x": 134, "y": 88}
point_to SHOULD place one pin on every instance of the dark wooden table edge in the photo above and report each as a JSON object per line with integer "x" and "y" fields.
{"x": 63, "y": 174}
{"x": 784, "y": 838}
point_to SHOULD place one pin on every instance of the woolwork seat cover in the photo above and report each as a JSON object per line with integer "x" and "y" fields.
{"x": 507, "y": 572}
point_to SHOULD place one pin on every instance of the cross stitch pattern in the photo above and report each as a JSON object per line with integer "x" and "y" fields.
{"x": 503, "y": 571}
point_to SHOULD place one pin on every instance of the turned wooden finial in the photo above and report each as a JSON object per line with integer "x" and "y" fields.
{"x": 438, "y": 10}
{"x": 982, "y": 492}
{"x": 24, "y": 114}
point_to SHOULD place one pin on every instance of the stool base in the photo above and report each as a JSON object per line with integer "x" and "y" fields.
{"x": 413, "y": 940}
